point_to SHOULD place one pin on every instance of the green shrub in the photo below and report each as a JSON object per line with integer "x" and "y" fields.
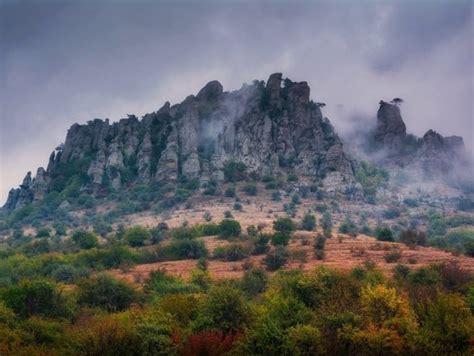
{"x": 465, "y": 204}
{"x": 106, "y": 292}
{"x": 268, "y": 178}
{"x": 229, "y": 229}
{"x": 326, "y": 222}
{"x": 183, "y": 232}
{"x": 424, "y": 277}
{"x": 101, "y": 228}
{"x": 237, "y": 206}
{"x": 37, "y": 297}
{"x": 43, "y": 232}
{"x": 192, "y": 184}
{"x": 137, "y": 236}
{"x": 371, "y": 178}
{"x": 292, "y": 177}
{"x": 207, "y": 216}
{"x": 110, "y": 257}
{"x": 461, "y": 240}
{"x": 232, "y": 252}
{"x": 412, "y": 238}
{"x": 210, "y": 188}
{"x": 156, "y": 235}
{"x": 159, "y": 283}
{"x": 61, "y": 229}
{"x": 319, "y": 242}
{"x": 304, "y": 340}
{"x": 348, "y": 226}
{"x": 185, "y": 249}
{"x": 321, "y": 208}
{"x": 36, "y": 247}
{"x": 276, "y": 259}
{"x": 69, "y": 274}
{"x": 319, "y": 254}
{"x": 290, "y": 209}
{"x": 206, "y": 229}
{"x": 458, "y": 220}
{"x": 250, "y": 189}
{"x": 85, "y": 239}
{"x": 411, "y": 203}
{"x": 280, "y": 238}
{"x": 284, "y": 225}
{"x": 153, "y": 334}
{"x": 225, "y": 308}
{"x": 401, "y": 272}
{"x": 392, "y": 257}
{"x": 234, "y": 171}
{"x": 295, "y": 199}
{"x": 260, "y": 244}
{"x": 201, "y": 278}
{"x": 271, "y": 185}
{"x": 437, "y": 227}
{"x": 391, "y": 213}
{"x": 309, "y": 222}
{"x": 276, "y": 196}
{"x": 45, "y": 331}
{"x": 384, "y": 234}
{"x": 448, "y": 326}
{"x": 254, "y": 281}
{"x": 203, "y": 264}
{"x": 230, "y": 192}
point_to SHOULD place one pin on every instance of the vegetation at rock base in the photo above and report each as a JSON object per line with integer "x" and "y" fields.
{"x": 69, "y": 303}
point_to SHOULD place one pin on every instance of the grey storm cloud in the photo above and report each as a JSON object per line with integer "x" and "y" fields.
{"x": 70, "y": 61}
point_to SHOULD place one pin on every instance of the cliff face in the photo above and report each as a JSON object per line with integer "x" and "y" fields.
{"x": 438, "y": 154}
{"x": 270, "y": 128}
{"x": 433, "y": 154}
{"x": 391, "y": 131}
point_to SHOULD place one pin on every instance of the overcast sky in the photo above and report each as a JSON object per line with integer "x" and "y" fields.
{"x": 71, "y": 61}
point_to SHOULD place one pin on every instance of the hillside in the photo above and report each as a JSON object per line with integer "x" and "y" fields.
{"x": 241, "y": 223}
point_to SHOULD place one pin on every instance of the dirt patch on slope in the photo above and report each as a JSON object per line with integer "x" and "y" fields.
{"x": 342, "y": 252}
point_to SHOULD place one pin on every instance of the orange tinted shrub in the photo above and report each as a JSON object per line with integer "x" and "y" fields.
{"x": 210, "y": 343}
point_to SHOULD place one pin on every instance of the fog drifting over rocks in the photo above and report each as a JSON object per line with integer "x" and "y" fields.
{"x": 62, "y": 63}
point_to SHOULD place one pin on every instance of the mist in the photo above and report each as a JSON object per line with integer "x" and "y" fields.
{"x": 64, "y": 62}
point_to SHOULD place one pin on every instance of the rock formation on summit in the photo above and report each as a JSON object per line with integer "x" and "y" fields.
{"x": 272, "y": 129}
{"x": 433, "y": 154}
{"x": 391, "y": 131}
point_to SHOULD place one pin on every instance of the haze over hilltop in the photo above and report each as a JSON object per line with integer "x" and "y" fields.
{"x": 239, "y": 177}
{"x": 261, "y": 131}
{"x": 73, "y": 62}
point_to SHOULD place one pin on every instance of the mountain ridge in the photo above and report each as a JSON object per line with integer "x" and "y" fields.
{"x": 272, "y": 128}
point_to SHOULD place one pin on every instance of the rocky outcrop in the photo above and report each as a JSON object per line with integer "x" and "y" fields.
{"x": 272, "y": 129}
{"x": 438, "y": 154}
{"x": 432, "y": 155}
{"x": 390, "y": 132}
{"x": 40, "y": 184}
{"x": 24, "y": 195}
{"x": 12, "y": 199}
